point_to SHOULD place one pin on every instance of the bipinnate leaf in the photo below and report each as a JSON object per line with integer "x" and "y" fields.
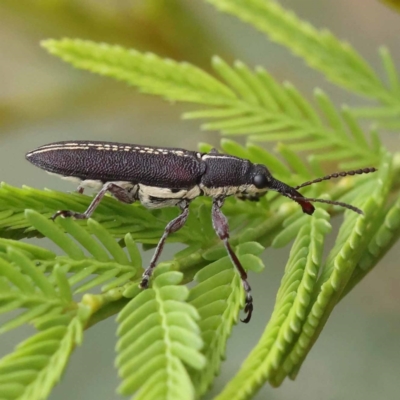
{"x": 387, "y": 232}
{"x": 292, "y": 302}
{"x": 218, "y": 297}
{"x": 25, "y": 287}
{"x": 165, "y": 77}
{"x": 109, "y": 265}
{"x": 352, "y": 241}
{"x": 336, "y": 59}
{"x": 36, "y": 365}
{"x": 158, "y": 339}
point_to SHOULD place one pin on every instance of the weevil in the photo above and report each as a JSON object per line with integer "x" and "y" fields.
{"x": 165, "y": 177}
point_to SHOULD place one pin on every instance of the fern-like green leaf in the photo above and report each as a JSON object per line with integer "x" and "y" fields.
{"x": 320, "y": 49}
{"x": 290, "y": 311}
{"x": 110, "y": 265}
{"x": 117, "y": 217}
{"x": 24, "y": 286}
{"x": 158, "y": 335}
{"x": 175, "y": 81}
{"x": 354, "y": 236}
{"x": 387, "y": 233}
{"x": 31, "y": 371}
{"x": 218, "y": 297}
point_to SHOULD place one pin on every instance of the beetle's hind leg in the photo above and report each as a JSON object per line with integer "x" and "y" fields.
{"x": 172, "y": 227}
{"x": 125, "y": 195}
{"x": 220, "y": 224}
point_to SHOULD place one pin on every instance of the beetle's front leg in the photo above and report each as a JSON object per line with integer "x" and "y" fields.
{"x": 220, "y": 224}
{"x": 172, "y": 227}
{"x": 118, "y": 192}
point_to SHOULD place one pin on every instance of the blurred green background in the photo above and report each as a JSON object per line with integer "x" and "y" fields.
{"x": 43, "y": 100}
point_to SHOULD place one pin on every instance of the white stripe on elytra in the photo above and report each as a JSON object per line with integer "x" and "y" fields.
{"x": 58, "y": 145}
{"x": 44, "y": 150}
{"x": 100, "y": 146}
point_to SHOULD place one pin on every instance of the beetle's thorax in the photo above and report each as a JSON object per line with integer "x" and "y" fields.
{"x": 228, "y": 175}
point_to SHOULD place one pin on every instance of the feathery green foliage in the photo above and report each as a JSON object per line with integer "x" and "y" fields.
{"x": 337, "y": 60}
{"x": 36, "y": 365}
{"x": 291, "y": 305}
{"x": 157, "y": 334}
{"x": 172, "y": 339}
{"x": 218, "y": 297}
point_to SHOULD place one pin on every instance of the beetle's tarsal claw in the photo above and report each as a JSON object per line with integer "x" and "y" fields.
{"x": 144, "y": 284}
{"x": 248, "y": 309}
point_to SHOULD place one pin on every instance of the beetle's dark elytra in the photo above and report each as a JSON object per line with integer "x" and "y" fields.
{"x": 106, "y": 162}
{"x": 163, "y": 177}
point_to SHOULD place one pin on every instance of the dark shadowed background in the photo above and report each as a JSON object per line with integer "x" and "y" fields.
{"x": 44, "y": 100}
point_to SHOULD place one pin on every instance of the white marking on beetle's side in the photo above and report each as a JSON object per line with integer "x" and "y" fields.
{"x": 164, "y": 193}
{"x": 96, "y": 185}
{"x": 142, "y": 151}
{"x": 92, "y": 184}
{"x": 193, "y": 192}
{"x": 72, "y": 179}
{"x": 76, "y": 181}
{"x": 156, "y": 197}
{"x": 125, "y": 184}
{"x": 231, "y": 190}
{"x": 219, "y": 191}
{"x": 147, "y": 202}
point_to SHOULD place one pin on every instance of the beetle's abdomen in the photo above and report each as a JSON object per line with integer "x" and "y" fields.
{"x": 107, "y": 161}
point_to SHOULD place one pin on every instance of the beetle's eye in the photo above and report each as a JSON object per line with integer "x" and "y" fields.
{"x": 260, "y": 181}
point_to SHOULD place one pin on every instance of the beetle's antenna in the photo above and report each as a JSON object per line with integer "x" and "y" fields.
{"x": 338, "y": 175}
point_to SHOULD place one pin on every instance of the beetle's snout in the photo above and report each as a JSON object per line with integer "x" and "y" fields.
{"x": 291, "y": 193}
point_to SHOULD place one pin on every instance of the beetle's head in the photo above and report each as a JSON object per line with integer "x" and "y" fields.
{"x": 262, "y": 181}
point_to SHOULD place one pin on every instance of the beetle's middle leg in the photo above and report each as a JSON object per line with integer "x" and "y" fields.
{"x": 172, "y": 227}
{"x": 120, "y": 193}
{"x": 220, "y": 224}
